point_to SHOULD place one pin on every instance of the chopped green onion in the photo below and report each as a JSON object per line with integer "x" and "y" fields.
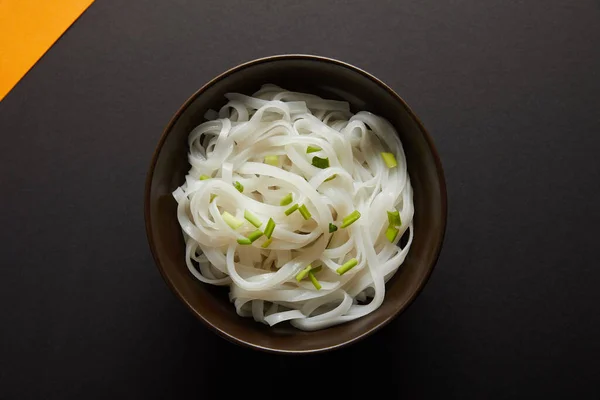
{"x": 253, "y": 219}
{"x": 332, "y": 228}
{"x": 255, "y": 235}
{"x": 312, "y": 149}
{"x": 291, "y": 209}
{"x": 304, "y": 211}
{"x": 232, "y": 221}
{"x": 302, "y": 274}
{"x": 391, "y": 233}
{"x": 269, "y": 228}
{"x": 239, "y": 186}
{"x": 394, "y": 218}
{"x": 320, "y": 162}
{"x": 308, "y": 270}
{"x": 287, "y": 199}
{"x": 351, "y": 218}
{"x": 330, "y": 178}
{"x": 212, "y": 197}
{"x": 267, "y": 243}
{"x": 347, "y": 266}
{"x": 314, "y": 280}
{"x": 389, "y": 160}
{"x": 272, "y": 160}
{"x": 244, "y": 241}
{"x": 204, "y": 177}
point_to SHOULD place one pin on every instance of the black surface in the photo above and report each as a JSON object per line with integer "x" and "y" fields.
{"x": 510, "y": 92}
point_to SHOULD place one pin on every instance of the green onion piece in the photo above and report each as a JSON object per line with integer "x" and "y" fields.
{"x": 330, "y": 178}
{"x": 304, "y": 211}
{"x": 347, "y": 266}
{"x": 204, "y": 177}
{"x": 332, "y": 228}
{"x": 291, "y": 209}
{"x": 312, "y": 149}
{"x": 212, "y": 197}
{"x": 391, "y": 233}
{"x": 253, "y": 219}
{"x": 269, "y": 228}
{"x": 317, "y": 269}
{"x": 255, "y": 235}
{"x": 302, "y": 274}
{"x": 239, "y": 186}
{"x": 314, "y": 280}
{"x": 394, "y": 218}
{"x": 232, "y": 221}
{"x": 244, "y": 241}
{"x": 320, "y": 162}
{"x": 351, "y": 218}
{"x": 389, "y": 160}
{"x": 267, "y": 243}
{"x": 272, "y": 160}
{"x": 287, "y": 199}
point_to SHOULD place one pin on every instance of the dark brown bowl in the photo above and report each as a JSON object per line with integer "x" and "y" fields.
{"x": 328, "y": 78}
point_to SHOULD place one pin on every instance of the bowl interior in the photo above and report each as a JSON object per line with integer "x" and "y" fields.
{"x": 329, "y": 79}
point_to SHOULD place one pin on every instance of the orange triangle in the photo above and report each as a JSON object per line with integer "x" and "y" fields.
{"x": 28, "y": 28}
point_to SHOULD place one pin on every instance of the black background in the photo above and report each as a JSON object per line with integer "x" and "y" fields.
{"x": 510, "y": 93}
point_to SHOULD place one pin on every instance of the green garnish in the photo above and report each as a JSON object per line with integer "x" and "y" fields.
{"x": 314, "y": 280}
{"x": 212, "y": 197}
{"x": 312, "y": 149}
{"x": 389, "y": 160}
{"x": 291, "y": 209}
{"x": 320, "y": 162}
{"x": 304, "y": 211}
{"x": 391, "y": 233}
{"x": 269, "y": 228}
{"x": 332, "y": 228}
{"x": 244, "y": 241}
{"x": 266, "y": 243}
{"x": 238, "y": 186}
{"x": 394, "y": 218}
{"x": 253, "y": 219}
{"x": 308, "y": 270}
{"x": 351, "y": 218}
{"x": 302, "y": 274}
{"x": 347, "y": 266}
{"x": 330, "y": 178}
{"x": 255, "y": 235}
{"x": 232, "y": 221}
{"x": 287, "y": 199}
{"x": 272, "y": 160}
{"x": 204, "y": 177}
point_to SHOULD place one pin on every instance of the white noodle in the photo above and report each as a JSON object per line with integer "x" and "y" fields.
{"x": 231, "y": 146}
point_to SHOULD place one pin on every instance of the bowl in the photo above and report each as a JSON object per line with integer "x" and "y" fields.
{"x": 331, "y": 79}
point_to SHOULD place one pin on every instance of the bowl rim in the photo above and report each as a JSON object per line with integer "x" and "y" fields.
{"x": 148, "y": 184}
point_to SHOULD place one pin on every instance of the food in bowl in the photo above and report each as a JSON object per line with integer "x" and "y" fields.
{"x": 301, "y": 207}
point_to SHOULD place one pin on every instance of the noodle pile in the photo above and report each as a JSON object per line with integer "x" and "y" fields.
{"x": 296, "y": 205}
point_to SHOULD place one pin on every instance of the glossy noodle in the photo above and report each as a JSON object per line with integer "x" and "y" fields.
{"x": 297, "y": 205}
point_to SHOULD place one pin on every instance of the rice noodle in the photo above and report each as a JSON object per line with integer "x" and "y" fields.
{"x": 230, "y": 148}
